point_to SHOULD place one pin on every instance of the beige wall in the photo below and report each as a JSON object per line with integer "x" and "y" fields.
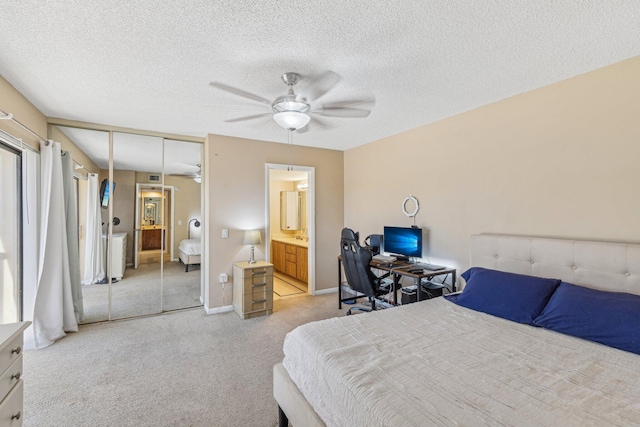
{"x": 235, "y": 189}
{"x": 187, "y": 206}
{"x": 560, "y": 161}
{"x": 124, "y": 198}
{"x": 13, "y": 102}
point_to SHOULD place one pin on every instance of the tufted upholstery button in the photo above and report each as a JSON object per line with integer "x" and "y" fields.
{"x": 574, "y": 267}
{"x": 627, "y": 274}
{"x": 531, "y": 261}
{"x": 497, "y": 257}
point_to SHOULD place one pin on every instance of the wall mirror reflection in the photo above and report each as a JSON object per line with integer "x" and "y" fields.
{"x": 149, "y": 222}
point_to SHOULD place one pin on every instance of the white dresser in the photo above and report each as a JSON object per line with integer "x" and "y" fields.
{"x": 11, "y": 383}
{"x": 118, "y": 254}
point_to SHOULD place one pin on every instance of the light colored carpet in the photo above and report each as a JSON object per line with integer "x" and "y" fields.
{"x": 184, "y": 368}
{"x": 138, "y": 292}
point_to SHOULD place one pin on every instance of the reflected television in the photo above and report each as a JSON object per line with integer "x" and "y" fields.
{"x": 106, "y": 192}
{"x": 405, "y": 241}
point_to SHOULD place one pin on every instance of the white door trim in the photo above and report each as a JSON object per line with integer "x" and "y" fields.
{"x": 311, "y": 201}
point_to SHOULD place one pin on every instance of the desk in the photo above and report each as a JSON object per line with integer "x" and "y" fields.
{"x": 398, "y": 269}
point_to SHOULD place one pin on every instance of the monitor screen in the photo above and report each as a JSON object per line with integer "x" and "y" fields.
{"x": 403, "y": 241}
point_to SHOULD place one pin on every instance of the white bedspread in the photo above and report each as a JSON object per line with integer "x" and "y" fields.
{"x": 190, "y": 246}
{"x": 435, "y": 363}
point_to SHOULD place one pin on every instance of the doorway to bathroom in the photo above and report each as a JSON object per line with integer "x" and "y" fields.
{"x": 290, "y": 235}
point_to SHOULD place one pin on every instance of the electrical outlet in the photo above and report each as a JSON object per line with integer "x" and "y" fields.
{"x": 223, "y": 278}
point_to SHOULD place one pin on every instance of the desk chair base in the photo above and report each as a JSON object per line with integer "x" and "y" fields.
{"x": 372, "y": 307}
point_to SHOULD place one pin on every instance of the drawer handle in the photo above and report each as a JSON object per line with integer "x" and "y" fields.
{"x": 259, "y": 301}
{"x": 259, "y": 285}
{"x": 17, "y": 350}
{"x": 16, "y": 376}
{"x": 16, "y": 416}
{"x": 258, "y": 272}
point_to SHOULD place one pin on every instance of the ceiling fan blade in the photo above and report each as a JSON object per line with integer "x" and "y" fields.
{"x": 316, "y": 121}
{"x": 245, "y": 118}
{"x": 362, "y": 101}
{"x": 320, "y": 85}
{"x": 240, "y": 92}
{"x": 343, "y": 112}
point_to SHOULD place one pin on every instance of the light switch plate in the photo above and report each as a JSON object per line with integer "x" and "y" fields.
{"x": 225, "y": 233}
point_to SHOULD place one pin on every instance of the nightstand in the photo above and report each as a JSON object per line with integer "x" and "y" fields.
{"x": 252, "y": 288}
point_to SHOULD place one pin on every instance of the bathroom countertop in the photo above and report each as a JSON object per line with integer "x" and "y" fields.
{"x": 291, "y": 241}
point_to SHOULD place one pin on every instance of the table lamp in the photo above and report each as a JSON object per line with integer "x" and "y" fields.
{"x": 252, "y": 237}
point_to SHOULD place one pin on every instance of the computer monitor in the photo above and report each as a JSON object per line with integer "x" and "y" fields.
{"x": 406, "y": 241}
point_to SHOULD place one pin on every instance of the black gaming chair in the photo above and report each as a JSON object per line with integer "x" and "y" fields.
{"x": 356, "y": 260}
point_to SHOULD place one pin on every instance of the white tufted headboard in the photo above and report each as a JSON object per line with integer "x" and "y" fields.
{"x": 597, "y": 265}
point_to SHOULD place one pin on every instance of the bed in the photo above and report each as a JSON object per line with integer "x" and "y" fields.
{"x": 439, "y": 362}
{"x": 189, "y": 251}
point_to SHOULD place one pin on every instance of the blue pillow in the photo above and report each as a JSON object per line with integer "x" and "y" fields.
{"x": 508, "y": 295}
{"x": 610, "y": 318}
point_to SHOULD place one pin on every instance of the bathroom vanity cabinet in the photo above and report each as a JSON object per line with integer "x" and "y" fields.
{"x": 291, "y": 259}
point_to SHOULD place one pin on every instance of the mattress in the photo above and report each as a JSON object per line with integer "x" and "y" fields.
{"x": 436, "y": 363}
{"x": 190, "y": 246}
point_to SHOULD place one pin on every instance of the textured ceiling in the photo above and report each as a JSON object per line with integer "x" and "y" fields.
{"x": 147, "y": 64}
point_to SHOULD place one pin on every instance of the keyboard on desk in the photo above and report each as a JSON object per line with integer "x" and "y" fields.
{"x": 430, "y": 267}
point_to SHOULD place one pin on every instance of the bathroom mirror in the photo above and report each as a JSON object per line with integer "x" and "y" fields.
{"x": 152, "y": 211}
{"x": 290, "y": 210}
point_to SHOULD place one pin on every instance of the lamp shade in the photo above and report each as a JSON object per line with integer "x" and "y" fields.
{"x": 291, "y": 120}
{"x": 252, "y": 237}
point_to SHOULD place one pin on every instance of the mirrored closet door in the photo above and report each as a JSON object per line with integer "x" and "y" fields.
{"x": 147, "y": 205}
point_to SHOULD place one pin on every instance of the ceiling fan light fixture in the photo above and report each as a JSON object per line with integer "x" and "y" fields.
{"x": 291, "y": 120}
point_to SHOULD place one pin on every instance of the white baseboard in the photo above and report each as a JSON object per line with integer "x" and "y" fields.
{"x": 218, "y": 310}
{"x": 327, "y": 291}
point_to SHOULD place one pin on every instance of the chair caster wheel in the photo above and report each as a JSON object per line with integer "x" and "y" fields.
{"x": 349, "y": 313}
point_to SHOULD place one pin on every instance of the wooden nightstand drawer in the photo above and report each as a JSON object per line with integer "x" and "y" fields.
{"x": 259, "y": 299}
{"x": 11, "y": 407}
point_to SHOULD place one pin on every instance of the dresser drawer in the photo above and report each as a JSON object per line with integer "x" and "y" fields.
{"x": 10, "y": 353}
{"x": 251, "y": 285}
{"x": 11, "y": 407}
{"x": 257, "y": 274}
{"x": 10, "y": 377}
{"x": 260, "y": 299}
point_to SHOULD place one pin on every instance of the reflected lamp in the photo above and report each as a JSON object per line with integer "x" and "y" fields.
{"x": 197, "y": 224}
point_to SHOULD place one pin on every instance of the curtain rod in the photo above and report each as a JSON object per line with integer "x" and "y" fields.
{"x": 9, "y": 116}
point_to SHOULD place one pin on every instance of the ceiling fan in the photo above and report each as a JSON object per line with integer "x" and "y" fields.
{"x": 196, "y": 175}
{"x": 295, "y": 112}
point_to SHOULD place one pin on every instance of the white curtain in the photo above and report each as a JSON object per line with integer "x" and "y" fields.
{"x": 94, "y": 270}
{"x": 71, "y": 215}
{"x": 30, "y": 241}
{"x": 53, "y": 313}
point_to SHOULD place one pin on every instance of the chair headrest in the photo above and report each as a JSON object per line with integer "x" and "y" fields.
{"x": 349, "y": 234}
